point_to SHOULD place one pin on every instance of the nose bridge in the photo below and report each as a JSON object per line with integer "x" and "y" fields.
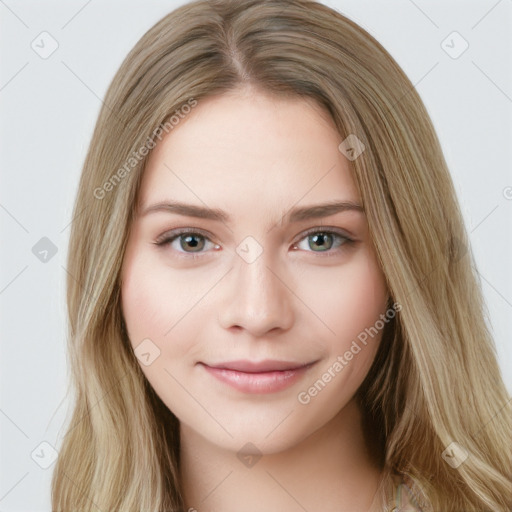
{"x": 258, "y": 300}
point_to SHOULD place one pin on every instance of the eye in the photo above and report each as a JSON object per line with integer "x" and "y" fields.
{"x": 194, "y": 243}
{"x": 186, "y": 242}
{"x": 326, "y": 241}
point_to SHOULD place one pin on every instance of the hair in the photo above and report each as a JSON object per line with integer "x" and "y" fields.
{"x": 435, "y": 379}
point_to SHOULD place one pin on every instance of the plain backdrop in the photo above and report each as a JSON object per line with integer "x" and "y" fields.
{"x": 49, "y": 104}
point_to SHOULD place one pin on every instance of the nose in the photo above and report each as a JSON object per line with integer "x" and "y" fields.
{"x": 257, "y": 299}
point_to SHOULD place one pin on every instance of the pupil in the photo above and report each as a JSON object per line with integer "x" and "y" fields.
{"x": 320, "y": 240}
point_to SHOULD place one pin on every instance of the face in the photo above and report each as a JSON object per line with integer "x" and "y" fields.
{"x": 245, "y": 298}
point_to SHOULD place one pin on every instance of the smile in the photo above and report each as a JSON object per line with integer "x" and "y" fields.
{"x": 260, "y": 378}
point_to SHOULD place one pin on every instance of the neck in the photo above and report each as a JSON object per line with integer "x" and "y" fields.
{"x": 331, "y": 470}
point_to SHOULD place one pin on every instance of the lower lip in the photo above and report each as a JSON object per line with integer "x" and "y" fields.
{"x": 261, "y": 383}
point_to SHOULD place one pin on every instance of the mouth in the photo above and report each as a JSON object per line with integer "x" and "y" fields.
{"x": 269, "y": 376}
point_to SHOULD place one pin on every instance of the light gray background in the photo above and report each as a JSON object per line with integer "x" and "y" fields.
{"x": 48, "y": 110}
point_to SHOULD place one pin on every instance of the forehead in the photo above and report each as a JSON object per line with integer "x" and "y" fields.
{"x": 249, "y": 150}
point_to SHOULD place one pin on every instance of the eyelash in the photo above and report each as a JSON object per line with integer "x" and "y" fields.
{"x": 169, "y": 237}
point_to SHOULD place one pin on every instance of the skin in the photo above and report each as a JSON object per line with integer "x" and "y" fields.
{"x": 256, "y": 157}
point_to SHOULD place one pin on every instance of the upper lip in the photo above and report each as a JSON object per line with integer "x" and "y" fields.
{"x": 267, "y": 365}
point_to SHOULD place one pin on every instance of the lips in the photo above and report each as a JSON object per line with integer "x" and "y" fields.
{"x": 258, "y": 367}
{"x": 269, "y": 376}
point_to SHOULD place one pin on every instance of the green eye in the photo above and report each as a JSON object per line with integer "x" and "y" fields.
{"x": 322, "y": 241}
{"x": 191, "y": 243}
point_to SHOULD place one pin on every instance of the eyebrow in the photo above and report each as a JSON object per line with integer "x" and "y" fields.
{"x": 295, "y": 215}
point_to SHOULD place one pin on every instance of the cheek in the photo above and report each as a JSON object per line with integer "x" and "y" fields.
{"x": 155, "y": 314}
{"x": 143, "y": 305}
{"x": 350, "y": 302}
{"x": 351, "y": 305}
{"x": 161, "y": 304}
{"x": 150, "y": 301}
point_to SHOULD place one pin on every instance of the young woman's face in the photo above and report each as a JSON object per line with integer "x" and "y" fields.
{"x": 248, "y": 302}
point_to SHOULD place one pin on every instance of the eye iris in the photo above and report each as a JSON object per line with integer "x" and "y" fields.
{"x": 192, "y": 242}
{"x": 319, "y": 239}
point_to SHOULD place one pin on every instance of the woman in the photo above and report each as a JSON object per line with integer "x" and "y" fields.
{"x": 273, "y": 303}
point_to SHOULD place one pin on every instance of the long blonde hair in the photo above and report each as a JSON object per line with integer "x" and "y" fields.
{"x": 435, "y": 379}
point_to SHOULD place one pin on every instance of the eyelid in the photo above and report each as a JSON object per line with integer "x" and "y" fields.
{"x": 170, "y": 235}
{"x": 327, "y": 229}
{"x": 167, "y": 238}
